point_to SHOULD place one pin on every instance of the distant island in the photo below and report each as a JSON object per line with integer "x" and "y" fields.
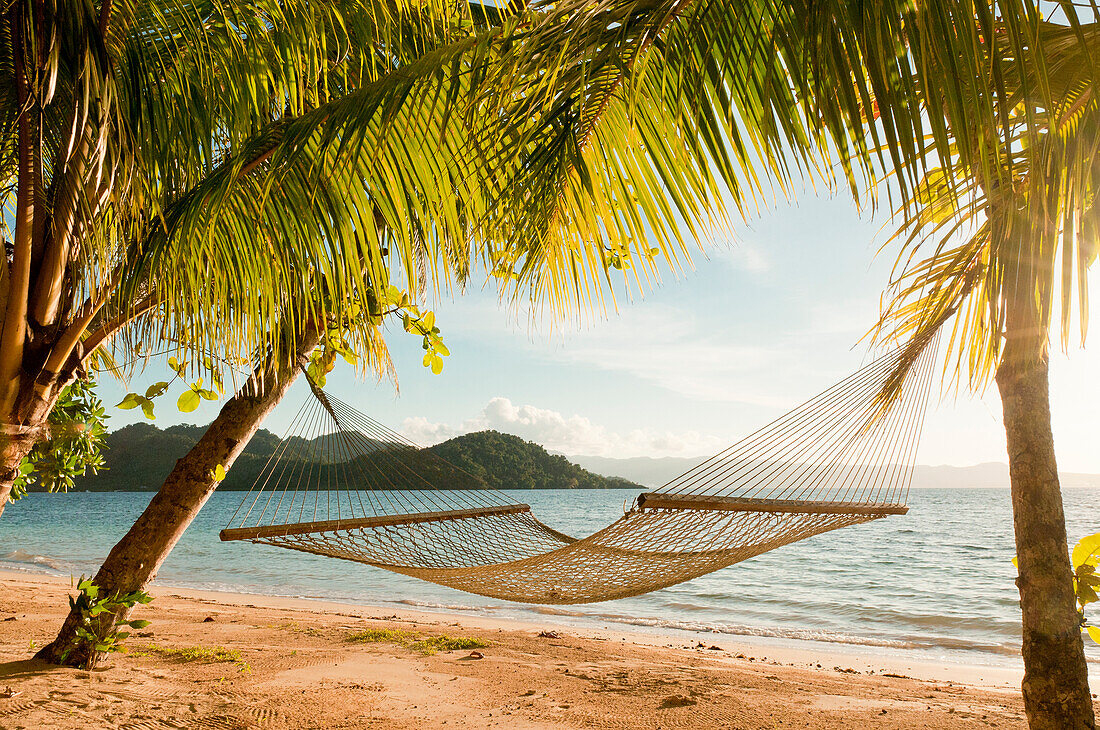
{"x": 651, "y": 472}
{"x": 141, "y": 455}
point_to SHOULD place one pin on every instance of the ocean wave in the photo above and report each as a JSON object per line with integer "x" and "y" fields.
{"x": 444, "y": 606}
{"x": 22, "y": 560}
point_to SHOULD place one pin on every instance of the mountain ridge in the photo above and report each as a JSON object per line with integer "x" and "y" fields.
{"x": 139, "y": 457}
{"x": 654, "y": 472}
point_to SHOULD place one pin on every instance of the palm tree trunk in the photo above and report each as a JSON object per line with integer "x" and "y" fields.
{"x": 1055, "y": 686}
{"x": 26, "y": 424}
{"x": 135, "y": 560}
{"x": 15, "y": 443}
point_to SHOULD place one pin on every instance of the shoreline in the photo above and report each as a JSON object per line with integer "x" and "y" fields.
{"x": 808, "y": 653}
{"x": 238, "y": 661}
{"x": 869, "y": 649}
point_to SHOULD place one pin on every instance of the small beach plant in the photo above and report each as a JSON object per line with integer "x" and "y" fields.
{"x": 428, "y": 645}
{"x": 99, "y": 630}
{"x": 205, "y": 654}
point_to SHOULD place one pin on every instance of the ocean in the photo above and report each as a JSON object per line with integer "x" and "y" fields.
{"x": 936, "y": 584}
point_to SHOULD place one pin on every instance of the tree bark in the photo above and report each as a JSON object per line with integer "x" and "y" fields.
{"x": 15, "y": 443}
{"x": 28, "y": 422}
{"x": 1055, "y": 687}
{"x": 135, "y": 560}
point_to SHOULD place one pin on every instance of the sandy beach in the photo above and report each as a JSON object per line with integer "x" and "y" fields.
{"x": 220, "y": 660}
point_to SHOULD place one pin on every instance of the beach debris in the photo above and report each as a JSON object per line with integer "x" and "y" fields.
{"x": 676, "y": 701}
{"x": 712, "y": 647}
{"x": 544, "y": 634}
{"x": 10, "y": 618}
{"x": 474, "y": 655}
{"x": 8, "y": 693}
{"x": 528, "y": 693}
{"x": 208, "y": 619}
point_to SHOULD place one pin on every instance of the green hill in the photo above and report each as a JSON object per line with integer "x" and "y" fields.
{"x": 504, "y": 461}
{"x": 141, "y": 455}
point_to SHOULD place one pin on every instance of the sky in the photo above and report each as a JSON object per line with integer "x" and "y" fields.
{"x": 761, "y": 322}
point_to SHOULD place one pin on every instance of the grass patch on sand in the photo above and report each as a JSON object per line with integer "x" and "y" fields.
{"x": 207, "y": 654}
{"x": 423, "y": 644}
{"x": 297, "y": 628}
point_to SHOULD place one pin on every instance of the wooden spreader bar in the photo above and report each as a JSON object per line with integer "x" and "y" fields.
{"x": 304, "y": 528}
{"x": 657, "y": 500}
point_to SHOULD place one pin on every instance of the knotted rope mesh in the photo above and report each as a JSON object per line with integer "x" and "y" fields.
{"x": 343, "y": 485}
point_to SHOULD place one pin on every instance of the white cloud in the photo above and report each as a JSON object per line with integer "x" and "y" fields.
{"x": 726, "y": 246}
{"x": 575, "y": 435}
{"x": 703, "y": 359}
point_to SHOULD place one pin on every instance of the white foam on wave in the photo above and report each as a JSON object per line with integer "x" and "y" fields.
{"x": 30, "y": 562}
{"x": 444, "y": 606}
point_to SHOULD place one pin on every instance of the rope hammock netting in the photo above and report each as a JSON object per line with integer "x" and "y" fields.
{"x": 343, "y": 485}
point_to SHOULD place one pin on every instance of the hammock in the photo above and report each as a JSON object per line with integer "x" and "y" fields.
{"x": 345, "y": 486}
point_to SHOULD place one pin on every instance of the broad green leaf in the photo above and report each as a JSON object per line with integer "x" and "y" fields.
{"x": 1094, "y": 633}
{"x": 188, "y": 401}
{"x": 156, "y": 389}
{"x": 1087, "y": 550}
{"x": 147, "y": 409}
{"x": 132, "y": 400}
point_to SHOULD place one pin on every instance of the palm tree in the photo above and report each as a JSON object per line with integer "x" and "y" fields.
{"x": 989, "y": 253}
{"x": 215, "y": 206}
{"x": 183, "y": 226}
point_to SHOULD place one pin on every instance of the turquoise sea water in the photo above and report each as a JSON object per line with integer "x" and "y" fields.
{"x": 937, "y": 582}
